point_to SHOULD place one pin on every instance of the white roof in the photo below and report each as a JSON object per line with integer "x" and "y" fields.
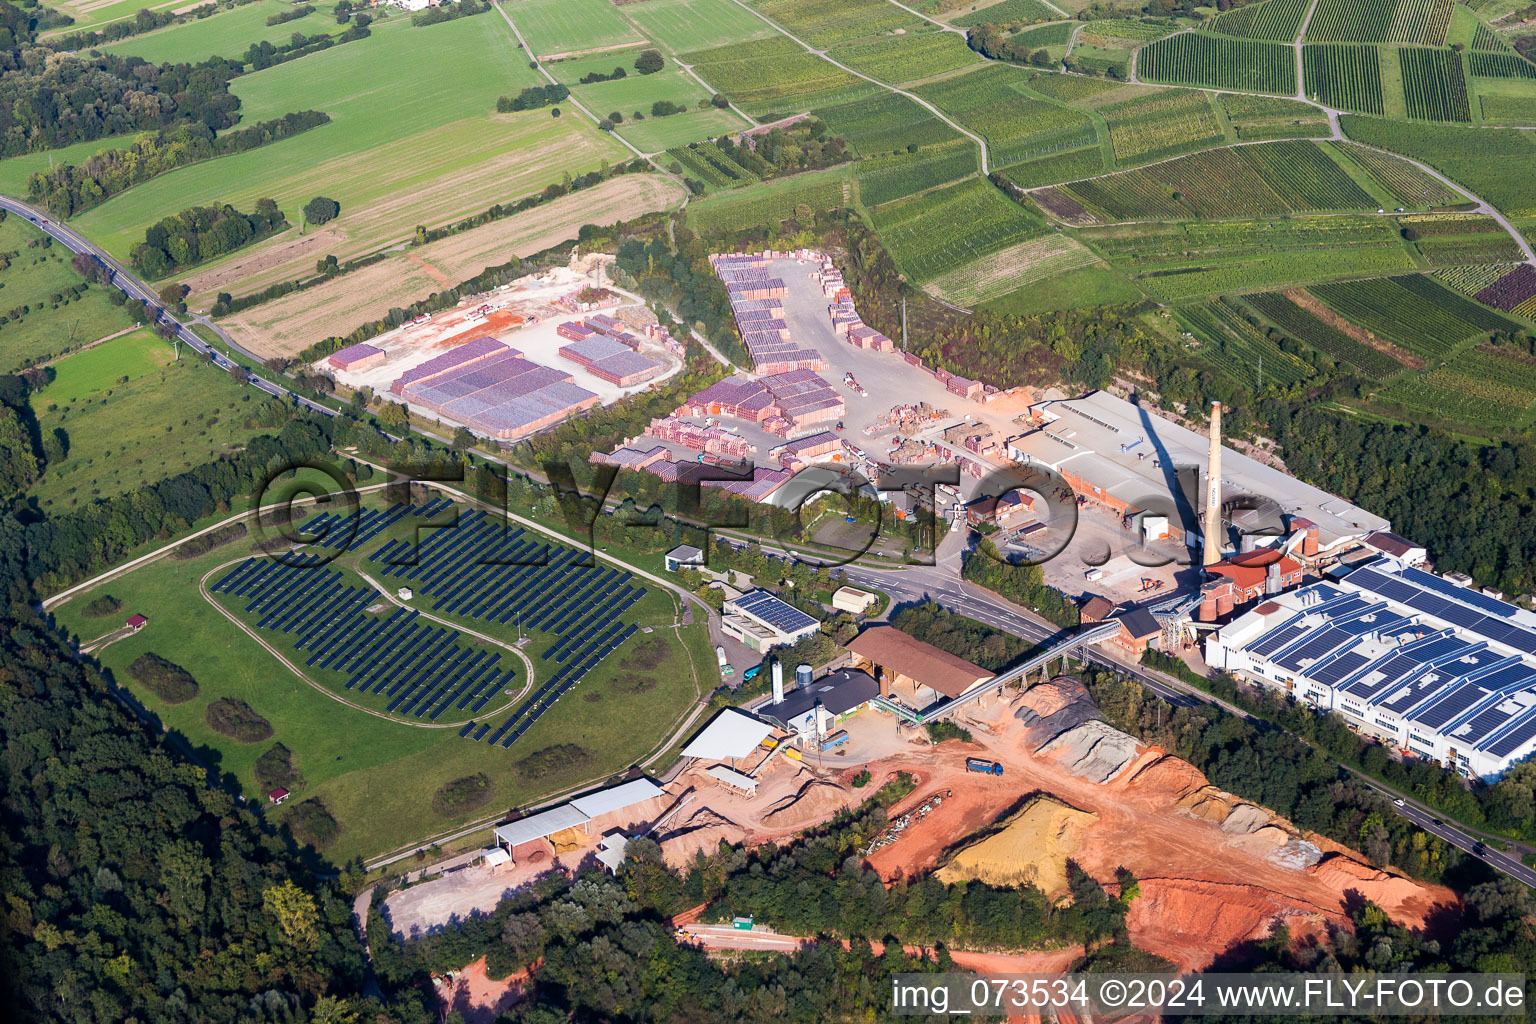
{"x": 496, "y": 855}
{"x": 731, "y": 777}
{"x": 537, "y": 826}
{"x": 616, "y": 798}
{"x": 732, "y": 734}
{"x": 610, "y": 851}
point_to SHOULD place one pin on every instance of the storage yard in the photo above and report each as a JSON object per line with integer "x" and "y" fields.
{"x": 518, "y": 360}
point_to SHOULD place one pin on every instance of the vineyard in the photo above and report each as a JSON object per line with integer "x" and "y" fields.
{"x": 1513, "y": 109}
{"x": 771, "y": 203}
{"x": 1489, "y": 385}
{"x": 1474, "y": 280}
{"x": 1217, "y": 62}
{"x": 1414, "y": 311}
{"x": 898, "y": 59}
{"x": 1055, "y": 34}
{"x": 1514, "y": 291}
{"x": 1007, "y": 270}
{"x": 1234, "y": 346}
{"x": 772, "y": 75}
{"x": 1016, "y": 128}
{"x": 938, "y": 232}
{"x": 1163, "y": 124}
{"x": 1277, "y": 20}
{"x": 1417, "y": 22}
{"x": 1209, "y": 277}
{"x": 1126, "y": 32}
{"x": 706, "y": 162}
{"x": 1256, "y": 118}
{"x": 1458, "y": 239}
{"x": 888, "y": 178}
{"x": 1494, "y": 163}
{"x": 1411, "y": 186}
{"x": 829, "y": 22}
{"x": 886, "y": 123}
{"x": 1434, "y": 86}
{"x": 1085, "y": 92}
{"x": 1246, "y": 181}
{"x": 1006, "y": 13}
{"x": 1487, "y": 40}
{"x": 1345, "y": 77}
{"x": 1500, "y": 65}
{"x": 1331, "y": 342}
{"x": 1049, "y": 170}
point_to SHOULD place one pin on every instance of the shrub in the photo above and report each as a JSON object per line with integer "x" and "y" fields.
{"x": 320, "y": 209}
{"x": 663, "y": 108}
{"x": 938, "y": 732}
{"x": 461, "y": 795}
{"x": 311, "y": 823}
{"x": 276, "y": 768}
{"x": 232, "y": 717}
{"x": 208, "y": 541}
{"x": 101, "y": 607}
{"x": 545, "y": 762}
{"x": 861, "y": 780}
{"x": 649, "y": 62}
{"x": 166, "y": 680}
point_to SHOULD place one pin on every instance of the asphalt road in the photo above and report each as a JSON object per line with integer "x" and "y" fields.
{"x": 135, "y": 289}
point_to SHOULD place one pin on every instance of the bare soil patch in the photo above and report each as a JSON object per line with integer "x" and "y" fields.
{"x": 1307, "y": 302}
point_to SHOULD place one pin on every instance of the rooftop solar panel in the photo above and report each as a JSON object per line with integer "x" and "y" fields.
{"x": 1451, "y": 703}
{"x": 1507, "y": 742}
{"x": 1340, "y": 668}
{"x": 1429, "y": 581}
{"x": 1275, "y": 639}
{"x": 776, "y": 613}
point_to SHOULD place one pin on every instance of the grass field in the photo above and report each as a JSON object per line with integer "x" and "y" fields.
{"x": 655, "y": 134}
{"x": 89, "y": 14}
{"x": 570, "y": 26}
{"x": 683, "y": 26}
{"x": 1018, "y": 266}
{"x": 1002, "y": 13}
{"x": 636, "y": 93}
{"x": 767, "y": 204}
{"x": 30, "y": 279}
{"x": 989, "y": 103}
{"x": 1217, "y": 62}
{"x": 225, "y": 34}
{"x": 941, "y": 232}
{"x": 166, "y": 419}
{"x": 424, "y": 150}
{"x": 377, "y": 777}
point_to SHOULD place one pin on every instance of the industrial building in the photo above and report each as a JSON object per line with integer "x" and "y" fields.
{"x": 601, "y": 807}
{"x": 733, "y": 735}
{"x": 812, "y": 710}
{"x": 1129, "y": 459}
{"x": 763, "y": 622}
{"x": 1438, "y": 670}
{"x": 490, "y": 388}
{"x": 914, "y": 672}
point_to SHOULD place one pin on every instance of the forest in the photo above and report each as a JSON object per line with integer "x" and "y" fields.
{"x": 202, "y": 233}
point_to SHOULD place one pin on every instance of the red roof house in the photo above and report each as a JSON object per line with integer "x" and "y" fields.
{"x": 278, "y": 795}
{"x": 137, "y": 622}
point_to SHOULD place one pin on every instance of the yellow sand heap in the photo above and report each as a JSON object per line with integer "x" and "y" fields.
{"x": 1031, "y": 847}
{"x": 569, "y": 839}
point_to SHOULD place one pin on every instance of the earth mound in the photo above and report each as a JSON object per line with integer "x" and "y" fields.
{"x": 815, "y": 801}
{"x": 1031, "y": 846}
{"x": 1095, "y": 751}
{"x": 1185, "y": 919}
{"x": 1053, "y": 707}
{"x": 701, "y": 832}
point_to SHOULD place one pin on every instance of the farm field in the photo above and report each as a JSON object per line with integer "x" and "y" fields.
{"x": 1012, "y": 268}
{"x": 771, "y": 202}
{"x": 555, "y": 27}
{"x": 1375, "y": 362}
{"x": 941, "y": 232}
{"x": 989, "y": 103}
{"x": 1257, "y": 118}
{"x": 30, "y": 276}
{"x": 1416, "y": 22}
{"x": 888, "y": 178}
{"x": 1491, "y": 386}
{"x": 1409, "y": 185}
{"x": 886, "y": 123}
{"x": 89, "y": 14}
{"x": 1507, "y": 100}
{"x": 1413, "y": 311}
{"x": 770, "y": 78}
{"x": 1457, "y": 239}
{"x": 1263, "y": 180}
{"x": 683, "y": 26}
{"x": 286, "y": 326}
{"x": 122, "y": 436}
{"x": 377, "y": 776}
{"x": 1510, "y": 288}
{"x": 1114, "y": 61}
{"x": 1086, "y": 93}
{"x": 1230, "y": 344}
{"x": 1048, "y": 170}
{"x": 1345, "y": 77}
{"x": 226, "y": 34}
{"x": 655, "y": 134}
{"x": 707, "y": 162}
{"x": 1002, "y": 13}
{"x": 1493, "y": 163}
{"x": 1277, "y": 20}
{"x": 1057, "y": 34}
{"x": 1162, "y": 123}
{"x": 825, "y": 23}
{"x": 1217, "y": 62}
{"x": 1096, "y": 284}
{"x": 907, "y": 58}
{"x": 1434, "y": 87}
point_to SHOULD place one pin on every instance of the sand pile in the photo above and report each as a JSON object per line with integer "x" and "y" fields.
{"x": 1164, "y": 774}
{"x": 1052, "y": 708}
{"x": 701, "y": 832}
{"x": 1298, "y": 854}
{"x": 566, "y": 840}
{"x": 1405, "y": 900}
{"x": 1095, "y": 751}
{"x": 815, "y": 801}
{"x": 1185, "y": 919}
{"x": 1032, "y": 846}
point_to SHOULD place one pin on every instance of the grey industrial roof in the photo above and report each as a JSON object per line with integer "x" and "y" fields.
{"x": 731, "y": 777}
{"x": 764, "y": 607}
{"x": 1140, "y": 623}
{"x": 732, "y": 733}
{"x": 1101, "y": 439}
{"x": 616, "y": 798}
{"x": 537, "y": 826}
{"x": 838, "y": 693}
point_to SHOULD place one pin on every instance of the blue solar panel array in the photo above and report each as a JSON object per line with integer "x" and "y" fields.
{"x": 355, "y": 530}
{"x": 776, "y": 613}
{"x": 421, "y": 669}
{"x": 1463, "y": 607}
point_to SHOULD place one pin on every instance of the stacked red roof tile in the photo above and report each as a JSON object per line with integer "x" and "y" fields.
{"x": 490, "y": 388}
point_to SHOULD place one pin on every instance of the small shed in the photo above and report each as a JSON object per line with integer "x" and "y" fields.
{"x": 278, "y": 795}
{"x": 137, "y": 622}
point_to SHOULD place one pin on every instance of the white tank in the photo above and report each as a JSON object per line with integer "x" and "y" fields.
{"x": 778, "y": 681}
{"x": 803, "y": 674}
{"x": 720, "y": 654}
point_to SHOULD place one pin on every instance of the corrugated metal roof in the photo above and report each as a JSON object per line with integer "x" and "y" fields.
{"x": 537, "y": 826}
{"x": 731, "y": 777}
{"x": 731, "y": 734}
{"x": 616, "y": 798}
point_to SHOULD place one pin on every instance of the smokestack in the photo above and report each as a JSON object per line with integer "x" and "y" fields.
{"x": 1213, "y": 491}
{"x": 778, "y": 681}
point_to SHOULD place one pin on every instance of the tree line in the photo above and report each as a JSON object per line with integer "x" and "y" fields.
{"x": 202, "y": 233}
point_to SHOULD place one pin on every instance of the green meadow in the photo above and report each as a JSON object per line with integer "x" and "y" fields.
{"x": 225, "y": 34}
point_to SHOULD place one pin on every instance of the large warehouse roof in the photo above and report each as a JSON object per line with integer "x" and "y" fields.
{"x": 732, "y": 734}
{"x": 1130, "y": 452}
{"x": 894, "y": 650}
{"x": 537, "y": 826}
{"x": 617, "y": 798}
